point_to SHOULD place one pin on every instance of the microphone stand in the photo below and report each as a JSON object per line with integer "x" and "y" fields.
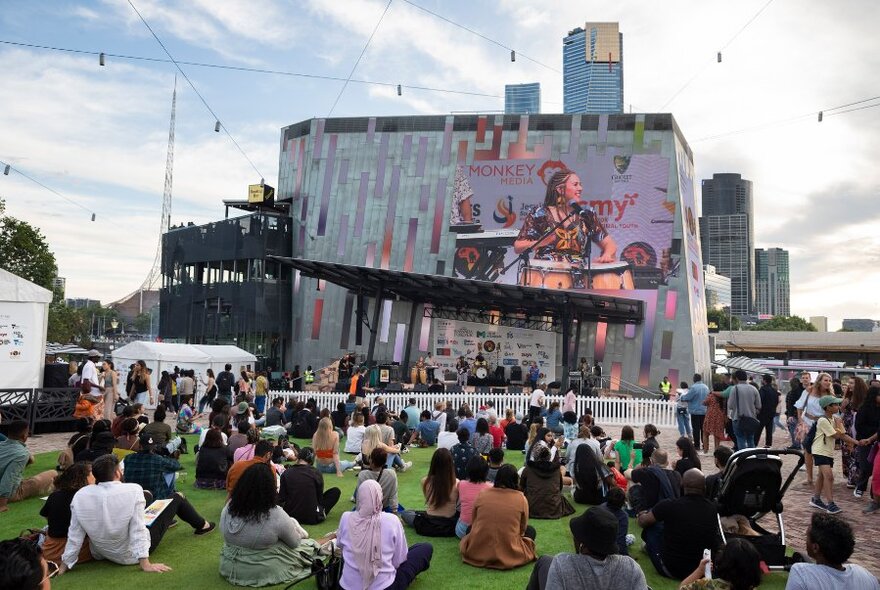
{"x": 525, "y": 254}
{"x": 588, "y": 253}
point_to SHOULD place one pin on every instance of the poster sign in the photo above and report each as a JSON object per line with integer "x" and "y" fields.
{"x": 15, "y": 332}
{"x": 500, "y": 346}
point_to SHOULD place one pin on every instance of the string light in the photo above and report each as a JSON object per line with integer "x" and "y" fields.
{"x": 7, "y": 168}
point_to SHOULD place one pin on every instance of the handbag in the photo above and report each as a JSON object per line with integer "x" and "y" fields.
{"x": 327, "y": 575}
{"x": 747, "y": 424}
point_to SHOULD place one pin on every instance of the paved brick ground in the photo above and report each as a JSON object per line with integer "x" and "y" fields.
{"x": 797, "y": 510}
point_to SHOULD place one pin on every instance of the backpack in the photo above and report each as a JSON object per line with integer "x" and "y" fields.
{"x": 224, "y": 382}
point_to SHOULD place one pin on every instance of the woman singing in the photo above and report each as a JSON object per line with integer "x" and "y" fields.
{"x": 566, "y": 243}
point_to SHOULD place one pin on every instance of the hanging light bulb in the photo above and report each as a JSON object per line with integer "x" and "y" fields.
{"x": 719, "y": 57}
{"x": 6, "y": 170}
{"x": 399, "y": 90}
{"x": 820, "y": 116}
{"x": 93, "y": 216}
{"x": 512, "y": 55}
{"x": 217, "y": 127}
{"x": 101, "y": 59}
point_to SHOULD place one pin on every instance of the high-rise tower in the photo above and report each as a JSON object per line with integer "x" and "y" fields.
{"x": 592, "y": 69}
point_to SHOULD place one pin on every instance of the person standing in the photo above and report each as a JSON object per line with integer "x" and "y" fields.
{"x": 791, "y": 413}
{"x": 769, "y": 400}
{"x": 828, "y": 429}
{"x": 225, "y": 383}
{"x": 695, "y": 396}
{"x": 809, "y": 411}
{"x": 743, "y": 407}
{"x": 111, "y": 393}
{"x": 681, "y": 410}
{"x": 536, "y": 402}
{"x": 462, "y": 369}
{"x": 140, "y": 392}
{"x": 867, "y": 424}
{"x": 261, "y": 389}
{"x": 309, "y": 376}
{"x": 665, "y": 387}
{"x": 533, "y": 375}
{"x": 430, "y": 366}
{"x": 90, "y": 370}
{"x": 210, "y": 391}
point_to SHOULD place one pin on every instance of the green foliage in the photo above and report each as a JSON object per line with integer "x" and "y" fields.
{"x": 24, "y": 251}
{"x": 722, "y": 319}
{"x": 142, "y": 323}
{"x": 68, "y": 325}
{"x": 793, "y": 323}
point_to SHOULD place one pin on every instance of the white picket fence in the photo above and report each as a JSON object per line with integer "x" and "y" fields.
{"x": 607, "y": 411}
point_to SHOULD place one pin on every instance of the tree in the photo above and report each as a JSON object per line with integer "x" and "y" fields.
{"x": 68, "y": 325}
{"x": 780, "y": 323}
{"x": 722, "y": 319}
{"x": 24, "y": 251}
{"x": 142, "y": 322}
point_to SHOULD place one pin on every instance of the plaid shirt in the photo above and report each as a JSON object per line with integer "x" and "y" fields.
{"x": 149, "y": 471}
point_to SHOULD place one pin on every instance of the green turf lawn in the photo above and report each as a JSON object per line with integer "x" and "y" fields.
{"x": 195, "y": 559}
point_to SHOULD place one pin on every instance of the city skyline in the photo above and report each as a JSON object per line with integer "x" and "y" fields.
{"x": 98, "y": 134}
{"x": 592, "y": 69}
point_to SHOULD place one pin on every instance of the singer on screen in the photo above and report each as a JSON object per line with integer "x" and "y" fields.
{"x": 567, "y": 242}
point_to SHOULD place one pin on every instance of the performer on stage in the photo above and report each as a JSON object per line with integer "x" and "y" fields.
{"x": 462, "y": 367}
{"x": 345, "y": 367}
{"x": 430, "y": 366}
{"x": 567, "y": 242}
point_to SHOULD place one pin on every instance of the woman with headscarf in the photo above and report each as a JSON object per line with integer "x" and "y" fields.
{"x": 374, "y": 549}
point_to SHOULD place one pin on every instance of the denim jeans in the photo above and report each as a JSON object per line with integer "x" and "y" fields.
{"x": 792, "y": 423}
{"x": 331, "y": 467}
{"x": 684, "y": 423}
{"x": 653, "y": 538}
{"x": 743, "y": 440}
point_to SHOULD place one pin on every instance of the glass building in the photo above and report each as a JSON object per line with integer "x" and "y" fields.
{"x": 717, "y": 288}
{"x": 728, "y": 237}
{"x": 522, "y": 99}
{"x": 592, "y": 69}
{"x": 772, "y": 282}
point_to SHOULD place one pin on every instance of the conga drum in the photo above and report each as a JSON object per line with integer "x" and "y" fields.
{"x": 611, "y": 276}
{"x": 423, "y": 375}
{"x": 414, "y": 375}
{"x": 547, "y": 273}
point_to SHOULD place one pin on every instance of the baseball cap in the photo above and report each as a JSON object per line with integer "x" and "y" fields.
{"x": 146, "y": 439}
{"x": 242, "y": 407}
{"x": 827, "y": 400}
{"x": 597, "y": 530}
{"x": 94, "y": 354}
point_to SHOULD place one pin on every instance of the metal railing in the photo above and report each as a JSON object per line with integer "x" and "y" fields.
{"x": 38, "y": 406}
{"x": 613, "y": 411}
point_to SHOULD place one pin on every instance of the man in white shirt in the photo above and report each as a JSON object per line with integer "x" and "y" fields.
{"x": 90, "y": 370}
{"x": 111, "y": 514}
{"x": 536, "y": 402}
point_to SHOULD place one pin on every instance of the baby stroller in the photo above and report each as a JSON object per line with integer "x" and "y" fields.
{"x": 752, "y": 486}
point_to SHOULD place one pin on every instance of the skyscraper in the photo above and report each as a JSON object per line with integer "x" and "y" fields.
{"x": 592, "y": 69}
{"x": 772, "y": 282}
{"x": 522, "y": 99}
{"x": 728, "y": 237}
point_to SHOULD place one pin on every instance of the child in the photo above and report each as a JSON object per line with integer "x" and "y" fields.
{"x": 496, "y": 460}
{"x": 828, "y": 428}
{"x": 614, "y": 503}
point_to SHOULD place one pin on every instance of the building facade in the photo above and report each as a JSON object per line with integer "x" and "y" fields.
{"x": 522, "y": 99}
{"x": 447, "y": 195}
{"x": 717, "y": 288}
{"x": 727, "y": 236}
{"x": 860, "y": 325}
{"x": 820, "y": 322}
{"x": 592, "y": 69}
{"x": 772, "y": 282}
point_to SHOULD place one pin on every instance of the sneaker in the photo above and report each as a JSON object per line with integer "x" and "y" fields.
{"x": 816, "y": 502}
{"x": 871, "y": 508}
{"x": 356, "y": 468}
{"x": 858, "y": 493}
{"x": 803, "y": 468}
{"x": 405, "y": 450}
{"x": 833, "y": 508}
{"x": 406, "y": 466}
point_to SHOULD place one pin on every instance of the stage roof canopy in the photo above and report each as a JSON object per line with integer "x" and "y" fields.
{"x": 458, "y": 293}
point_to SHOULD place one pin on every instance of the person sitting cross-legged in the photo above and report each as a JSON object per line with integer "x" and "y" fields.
{"x": 302, "y": 492}
{"x": 154, "y": 473}
{"x": 111, "y": 515}
{"x": 212, "y": 462}
{"x": 14, "y": 457}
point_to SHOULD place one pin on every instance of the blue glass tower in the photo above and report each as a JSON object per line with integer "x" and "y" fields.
{"x": 522, "y": 99}
{"x": 592, "y": 69}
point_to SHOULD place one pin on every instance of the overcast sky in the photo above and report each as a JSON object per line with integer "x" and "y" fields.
{"x": 99, "y": 135}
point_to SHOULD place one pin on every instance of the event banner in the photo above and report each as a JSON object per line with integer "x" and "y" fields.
{"x": 500, "y": 346}
{"x": 15, "y": 328}
{"x": 620, "y": 239}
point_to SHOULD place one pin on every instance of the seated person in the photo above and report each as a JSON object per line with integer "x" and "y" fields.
{"x": 688, "y": 457}
{"x": 303, "y": 422}
{"x": 238, "y": 438}
{"x": 77, "y": 443}
{"x": 440, "y": 488}
{"x": 111, "y": 515}
{"x": 378, "y": 471}
{"x": 23, "y": 567}
{"x": 326, "y": 445}
{"x": 496, "y": 431}
{"x": 592, "y": 478}
{"x": 517, "y": 434}
{"x": 354, "y": 436}
{"x": 500, "y": 536}
{"x": 595, "y": 563}
{"x": 736, "y": 566}
{"x": 262, "y": 454}
{"x": 340, "y": 419}
{"x": 302, "y": 492}
{"x": 212, "y": 463}
{"x": 373, "y": 439}
{"x": 129, "y": 440}
{"x": 655, "y": 483}
{"x": 57, "y": 511}
{"x": 830, "y": 541}
{"x": 469, "y": 489}
{"x": 217, "y": 423}
{"x": 101, "y": 443}
{"x": 162, "y": 434}
{"x": 615, "y": 502}
{"x": 448, "y": 438}
{"x": 462, "y": 453}
{"x": 373, "y": 544}
{"x": 246, "y": 451}
{"x": 496, "y": 460}
{"x": 186, "y": 417}
{"x": 275, "y": 414}
{"x": 14, "y": 457}
{"x": 116, "y": 425}
{"x": 713, "y": 482}
{"x": 426, "y": 431}
{"x": 687, "y": 525}
{"x": 553, "y": 418}
{"x": 262, "y": 545}
{"x": 541, "y": 482}
{"x": 154, "y": 473}
{"x": 481, "y": 440}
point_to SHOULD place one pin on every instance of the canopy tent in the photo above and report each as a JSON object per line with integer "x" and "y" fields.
{"x": 164, "y": 356}
{"x": 24, "y": 317}
{"x": 743, "y": 362}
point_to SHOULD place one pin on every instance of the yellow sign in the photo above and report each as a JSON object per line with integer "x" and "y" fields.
{"x": 255, "y": 193}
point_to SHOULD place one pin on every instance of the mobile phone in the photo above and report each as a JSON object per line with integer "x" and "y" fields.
{"x": 707, "y": 573}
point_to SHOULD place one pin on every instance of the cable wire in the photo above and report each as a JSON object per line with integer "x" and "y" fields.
{"x": 358, "y": 60}
{"x": 251, "y": 70}
{"x": 481, "y": 36}
{"x": 193, "y": 86}
{"x": 48, "y": 188}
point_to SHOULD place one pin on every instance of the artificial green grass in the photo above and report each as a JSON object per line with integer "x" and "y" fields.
{"x": 195, "y": 560}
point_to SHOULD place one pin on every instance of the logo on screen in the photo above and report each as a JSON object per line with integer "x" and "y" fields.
{"x": 621, "y": 164}
{"x": 504, "y": 212}
{"x": 549, "y": 168}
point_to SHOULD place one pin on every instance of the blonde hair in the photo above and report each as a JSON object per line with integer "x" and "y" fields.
{"x": 533, "y": 432}
{"x": 815, "y": 389}
{"x": 357, "y": 419}
{"x": 323, "y": 438}
{"x": 372, "y": 439}
{"x": 509, "y": 415}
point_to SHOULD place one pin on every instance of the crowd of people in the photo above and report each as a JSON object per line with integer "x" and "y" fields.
{"x": 115, "y": 492}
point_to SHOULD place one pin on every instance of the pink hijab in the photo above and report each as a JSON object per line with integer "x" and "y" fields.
{"x": 364, "y": 531}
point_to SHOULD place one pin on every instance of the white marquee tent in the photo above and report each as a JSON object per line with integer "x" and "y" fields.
{"x": 24, "y": 318}
{"x": 164, "y": 356}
